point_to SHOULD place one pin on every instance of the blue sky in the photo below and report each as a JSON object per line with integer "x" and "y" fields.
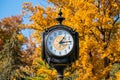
{"x": 14, "y": 7}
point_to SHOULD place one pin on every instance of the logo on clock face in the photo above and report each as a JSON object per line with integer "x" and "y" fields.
{"x": 59, "y": 42}
{"x": 57, "y": 45}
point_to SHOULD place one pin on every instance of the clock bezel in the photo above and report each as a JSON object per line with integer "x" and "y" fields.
{"x": 59, "y": 27}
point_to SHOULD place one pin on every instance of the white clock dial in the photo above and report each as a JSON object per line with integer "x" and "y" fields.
{"x": 60, "y": 42}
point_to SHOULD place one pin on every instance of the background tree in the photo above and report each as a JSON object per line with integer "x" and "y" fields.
{"x": 96, "y": 22}
{"x": 11, "y": 40}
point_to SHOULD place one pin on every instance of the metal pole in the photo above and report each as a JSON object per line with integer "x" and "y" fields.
{"x": 60, "y": 70}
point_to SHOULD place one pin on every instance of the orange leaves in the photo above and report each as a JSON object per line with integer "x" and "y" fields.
{"x": 8, "y": 26}
{"x": 118, "y": 75}
{"x": 28, "y": 7}
{"x": 26, "y": 70}
{"x": 95, "y": 20}
{"x": 41, "y": 18}
{"x": 20, "y": 37}
{"x": 50, "y": 74}
{"x": 1, "y": 44}
{"x": 11, "y": 21}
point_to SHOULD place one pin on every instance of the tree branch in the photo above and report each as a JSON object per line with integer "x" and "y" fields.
{"x": 109, "y": 35}
{"x": 94, "y": 35}
{"x": 116, "y": 19}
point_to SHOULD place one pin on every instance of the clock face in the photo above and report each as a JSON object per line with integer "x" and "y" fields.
{"x": 60, "y": 42}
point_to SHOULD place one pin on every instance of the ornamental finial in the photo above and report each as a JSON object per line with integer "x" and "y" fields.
{"x": 60, "y": 18}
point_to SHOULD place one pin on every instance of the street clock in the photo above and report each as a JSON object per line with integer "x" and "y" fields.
{"x": 60, "y": 44}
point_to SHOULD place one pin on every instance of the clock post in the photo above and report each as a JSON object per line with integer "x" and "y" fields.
{"x": 60, "y": 46}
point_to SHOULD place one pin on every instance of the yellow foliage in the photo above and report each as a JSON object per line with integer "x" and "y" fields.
{"x": 20, "y": 37}
{"x": 95, "y": 20}
{"x": 118, "y": 75}
{"x": 67, "y": 74}
{"x": 51, "y": 74}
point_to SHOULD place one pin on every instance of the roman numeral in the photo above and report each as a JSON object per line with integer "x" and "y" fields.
{"x": 51, "y": 38}
{"x": 55, "y": 34}
{"x": 68, "y": 47}
{"x": 60, "y": 32}
{"x": 51, "y": 47}
{"x": 59, "y": 52}
{"x": 65, "y": 51}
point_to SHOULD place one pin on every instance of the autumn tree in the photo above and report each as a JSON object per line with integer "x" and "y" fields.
{"x": 11, "y": 40}
{"x": 98, "y": 27}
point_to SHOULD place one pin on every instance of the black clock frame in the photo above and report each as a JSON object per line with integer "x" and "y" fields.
{"x": 49, "y": 32}
{"x": 52, "y": 59}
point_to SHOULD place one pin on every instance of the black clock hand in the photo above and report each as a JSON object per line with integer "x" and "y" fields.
{"x": 65, "y": 42}
{"x": 62, "y": 39}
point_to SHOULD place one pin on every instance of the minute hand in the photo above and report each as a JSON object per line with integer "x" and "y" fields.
{"x": 62, "y": 40}
{"x": 65, "y": 42}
